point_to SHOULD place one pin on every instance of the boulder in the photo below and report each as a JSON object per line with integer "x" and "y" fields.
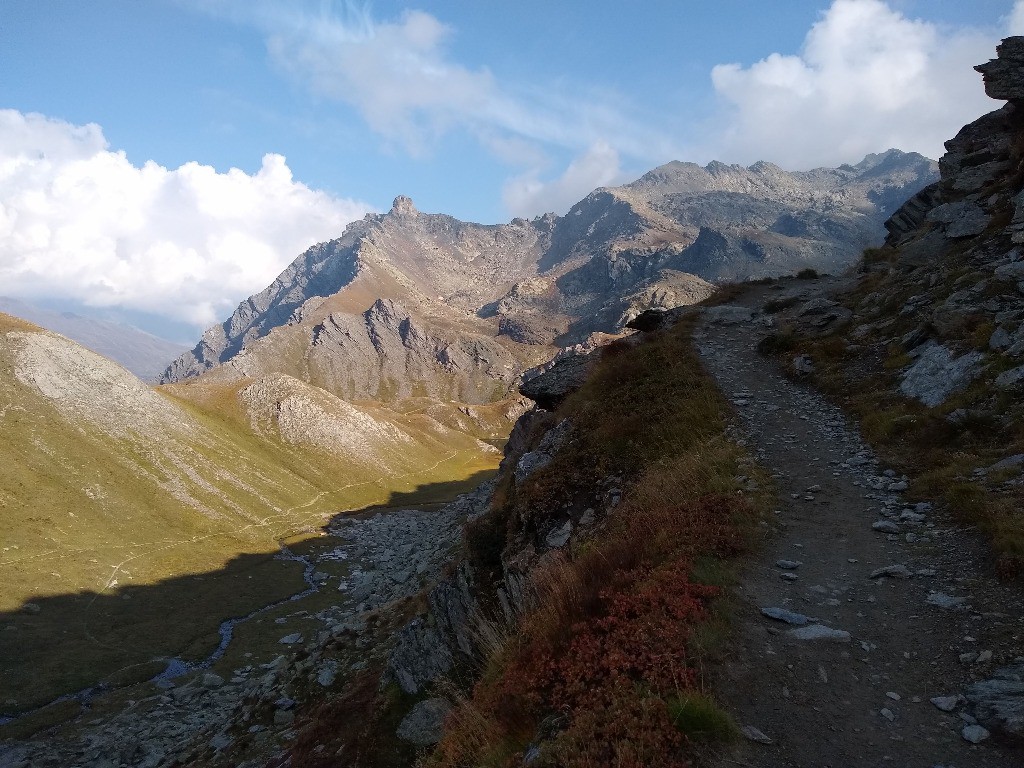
{"x": 648, "y": 320}
{"x": 542, "y": 455}
{"x": 999, "y": 701}
{"x": 1010, "y": 379}
{"x": 550, "y": 388}
{"x": 423, "y": 726}
{"x": 937, "y": 374}
{"x": 964, "y": 218}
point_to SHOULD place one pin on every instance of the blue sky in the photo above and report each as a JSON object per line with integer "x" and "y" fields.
{"x": 122, "y": 119}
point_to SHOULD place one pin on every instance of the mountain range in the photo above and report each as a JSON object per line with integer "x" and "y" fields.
{"x": 141, "y": 353}
{"x": 409, "y": 302}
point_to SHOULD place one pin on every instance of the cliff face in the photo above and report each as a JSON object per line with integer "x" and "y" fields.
{"x": 950, "y": 281}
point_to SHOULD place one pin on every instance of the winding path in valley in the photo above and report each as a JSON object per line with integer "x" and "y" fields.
{"x": 862, "y": 698}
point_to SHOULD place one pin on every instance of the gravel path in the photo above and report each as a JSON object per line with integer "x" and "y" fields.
{"x": 869, "y": 625}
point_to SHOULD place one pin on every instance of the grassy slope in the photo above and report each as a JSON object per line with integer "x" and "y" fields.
{"x": 606, "y": 667}
{"x": 88, "y": 519}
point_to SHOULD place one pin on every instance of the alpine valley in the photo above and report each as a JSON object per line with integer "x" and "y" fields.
{"x": 388, "y": 473}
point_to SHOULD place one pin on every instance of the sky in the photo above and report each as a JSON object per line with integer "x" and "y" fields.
{"x": 161, "y": 160}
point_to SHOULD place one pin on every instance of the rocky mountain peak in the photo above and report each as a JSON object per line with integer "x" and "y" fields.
{"x": 1004, "y": 75}
{"x": 403, "y": 206}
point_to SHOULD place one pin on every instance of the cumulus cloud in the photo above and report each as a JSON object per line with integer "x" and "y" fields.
{"x": 79, "y": 221}
{"x": 867, "y": 78}
{"x": 527, "y": 194}
{"x": 1015, "y": 19}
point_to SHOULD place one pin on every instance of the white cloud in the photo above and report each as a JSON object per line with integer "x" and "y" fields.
{"x": 1015, "y": 19}
{"x": 528, "y": 195}
{"x": 79, "y": 221}
{"x": 868, "y": 78}
{"x": 400, "y": 77}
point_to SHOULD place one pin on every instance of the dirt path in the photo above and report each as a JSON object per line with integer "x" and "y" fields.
{"x": 861, "y": 699}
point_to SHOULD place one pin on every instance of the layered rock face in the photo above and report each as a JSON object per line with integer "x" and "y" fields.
{"x": 957, "y": 264}
{"x": 484, "y": 302}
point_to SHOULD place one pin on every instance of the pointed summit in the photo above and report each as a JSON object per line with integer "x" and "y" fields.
{"x": 403, "y": 206}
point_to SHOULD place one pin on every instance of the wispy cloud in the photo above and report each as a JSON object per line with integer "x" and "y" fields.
{"x": 867, "y": 78}
{"x": 401, "y": 78}
{"x": 598, "y": 167}
{"x": 79, "y": 221}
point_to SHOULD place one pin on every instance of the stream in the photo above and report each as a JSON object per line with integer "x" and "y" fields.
{"x": 176, "y": 667}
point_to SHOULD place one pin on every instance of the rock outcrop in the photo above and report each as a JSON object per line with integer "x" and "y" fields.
{"x": 950, "y": 280}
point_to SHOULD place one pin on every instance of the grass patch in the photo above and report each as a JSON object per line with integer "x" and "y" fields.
{"x": 774, "y": 306}
{"x": 699, "y": 719}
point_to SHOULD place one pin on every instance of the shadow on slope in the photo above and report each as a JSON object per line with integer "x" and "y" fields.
{"x": 62, "y": 645}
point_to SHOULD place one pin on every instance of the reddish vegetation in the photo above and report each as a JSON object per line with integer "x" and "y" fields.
{"x": 608, "y": 646}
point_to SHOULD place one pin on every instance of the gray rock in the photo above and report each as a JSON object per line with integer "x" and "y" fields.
{"x": 789, "y": 565}
{"x": 937, "y": 374}
{"x": 885, "y": 526}
{"x": 1004, "y": 75}
{"x": 728, "y": 314}
{"x": 1012, "y": 271}
{"x": 1010, "y": 462}
{"x": 789, "y": 617}
{"x": 946, "y": 703}
{"x": 753, "y": 734}
{"x": 820, "y": 632}
{"x": 942, "y": 600}
{"x": 545, "y": 451}
{"x": 803, "y": 365}
{"x": 1010, "y": 379}
{"x": 423, "y": 725}
{"x": 999, "y": 701}
{"x": 326, "y": 673}
{"x": 549, "y": 388}
{"x": 1000, "y": 339}
{"x": 964, "y": 218}
{"x": 220, "y": 742}
{"x": 211, "y": 680}
{"x": 294, "y": 637}
{"x": 559, "y": 537}
{"x": 897, "y": 571}
{"x": 974, "y": 734}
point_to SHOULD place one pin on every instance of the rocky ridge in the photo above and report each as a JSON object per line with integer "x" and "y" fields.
{"x": 512, "y": 288}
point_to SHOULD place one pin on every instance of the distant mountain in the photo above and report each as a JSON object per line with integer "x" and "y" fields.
{"x": 408, "y": 302}
{"x": 141, "y": 353}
